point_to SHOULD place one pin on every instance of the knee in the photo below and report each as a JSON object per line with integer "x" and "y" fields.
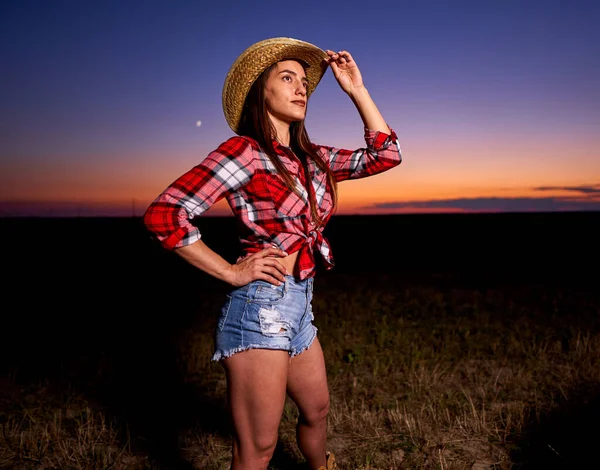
{"x": 257, "y": 452}
{"x": 265, "y": 447}
{"x": 317, "y": 414}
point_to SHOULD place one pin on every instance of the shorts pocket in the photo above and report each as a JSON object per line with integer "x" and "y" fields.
{"x": 263, "y": 292}
{"x": 224, "y": 313}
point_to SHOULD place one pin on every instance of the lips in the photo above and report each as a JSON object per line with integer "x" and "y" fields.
{"x": 300, "y": 103}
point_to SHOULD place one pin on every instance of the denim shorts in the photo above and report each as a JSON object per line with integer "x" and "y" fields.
{"x": 264, "y": 316}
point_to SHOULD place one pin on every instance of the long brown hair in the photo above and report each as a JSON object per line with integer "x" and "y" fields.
{"x": 255, "y": 123}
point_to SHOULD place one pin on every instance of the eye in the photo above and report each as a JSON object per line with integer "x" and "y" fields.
{"x": 287, "y": 78}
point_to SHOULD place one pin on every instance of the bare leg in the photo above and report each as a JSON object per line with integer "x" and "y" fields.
{"x": 307, "y": 386}
{"x": 256, "y": 381}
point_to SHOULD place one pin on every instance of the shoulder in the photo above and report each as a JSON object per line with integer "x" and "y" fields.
{"x": 322, "y": 151}
{"x": 237, "y": 145}
{"x": 239, "y": 148}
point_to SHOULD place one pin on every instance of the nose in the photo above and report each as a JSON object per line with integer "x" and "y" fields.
{"x": 300, "y": 90}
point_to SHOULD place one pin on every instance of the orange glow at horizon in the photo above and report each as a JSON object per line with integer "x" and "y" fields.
{"x": 433, "y": 169}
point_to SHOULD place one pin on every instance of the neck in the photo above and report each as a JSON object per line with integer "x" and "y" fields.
{"x": 282, "y": 131}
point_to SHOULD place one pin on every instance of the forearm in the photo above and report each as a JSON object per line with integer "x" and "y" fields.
{"x": 369, "y": 113}
{"x": 198, "y": 254}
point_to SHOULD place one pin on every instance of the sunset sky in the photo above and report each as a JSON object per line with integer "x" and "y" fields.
{"x": 496, "y": 103}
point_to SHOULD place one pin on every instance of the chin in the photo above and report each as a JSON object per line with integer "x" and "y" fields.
{"x": 292, "y": 119}
{"x": 300, "y": 116}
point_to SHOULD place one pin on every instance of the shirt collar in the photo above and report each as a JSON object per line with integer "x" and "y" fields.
{"x": 277, "y": 144}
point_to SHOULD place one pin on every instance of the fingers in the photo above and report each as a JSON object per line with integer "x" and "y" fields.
{"x": 272, "y": 263}
{"x": 269, "y": 270}
{"x": 340, "y": 58}
{"x": 271, "y": 251}
{"x": 275, "y": 274}
{"x": 262, "y": 265}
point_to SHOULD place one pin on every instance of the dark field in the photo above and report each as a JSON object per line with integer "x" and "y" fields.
{"x": 95, "y": 308}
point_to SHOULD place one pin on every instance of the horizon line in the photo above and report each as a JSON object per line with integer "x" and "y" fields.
{"x": 224, "y": 216}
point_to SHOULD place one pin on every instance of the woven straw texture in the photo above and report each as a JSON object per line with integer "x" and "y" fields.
{"x": 257, "y": 58}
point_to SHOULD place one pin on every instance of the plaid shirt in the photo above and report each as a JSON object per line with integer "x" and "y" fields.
{"x": 271, "y": 214}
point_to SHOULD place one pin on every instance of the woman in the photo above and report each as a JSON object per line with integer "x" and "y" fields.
{"x": 282, "y": 188}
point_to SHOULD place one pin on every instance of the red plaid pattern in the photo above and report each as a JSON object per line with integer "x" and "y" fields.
{"x": 270, "y": 213}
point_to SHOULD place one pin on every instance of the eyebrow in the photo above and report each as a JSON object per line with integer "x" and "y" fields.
{"x": 294, "y": 73}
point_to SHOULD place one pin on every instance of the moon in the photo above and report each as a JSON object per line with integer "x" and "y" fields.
{"x": 198, "y": 123}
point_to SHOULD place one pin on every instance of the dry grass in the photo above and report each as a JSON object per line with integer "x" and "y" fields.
{"x": 420, "y": 378}
{"x": 38, "y": 431}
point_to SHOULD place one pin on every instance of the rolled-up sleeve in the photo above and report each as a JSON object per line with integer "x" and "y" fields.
{"x": 381, "y": 153}
{"x": 224, "y": 170}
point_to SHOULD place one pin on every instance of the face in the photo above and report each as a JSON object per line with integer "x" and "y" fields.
{"x": 285, "y": 92}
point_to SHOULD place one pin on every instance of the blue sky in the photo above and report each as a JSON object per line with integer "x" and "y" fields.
{"x": 492, "y": 100}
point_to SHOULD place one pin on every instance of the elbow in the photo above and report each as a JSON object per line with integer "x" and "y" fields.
{"x": 394, "y": 155}
{"x": 398, "y": 160}
{"x": 158, "y": 222}
{"x": 149, "y": 218}
{"x": 392, "y": 159}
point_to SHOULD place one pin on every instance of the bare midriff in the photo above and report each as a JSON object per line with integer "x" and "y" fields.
{"x": 289, "y": 262}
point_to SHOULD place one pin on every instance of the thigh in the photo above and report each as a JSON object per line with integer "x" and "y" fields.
{"x": 307, "y": 381}
{"x": 256, "y": 381}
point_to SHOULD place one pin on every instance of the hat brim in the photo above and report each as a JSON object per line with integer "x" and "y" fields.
{"x": 256, "y": 59}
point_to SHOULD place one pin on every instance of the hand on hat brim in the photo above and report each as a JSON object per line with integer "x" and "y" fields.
{"x": 345, "y": 70}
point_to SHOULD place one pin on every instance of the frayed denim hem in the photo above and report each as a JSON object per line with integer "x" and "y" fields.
{"x": 219, "y": 355}
{"x": 294, "y": 352}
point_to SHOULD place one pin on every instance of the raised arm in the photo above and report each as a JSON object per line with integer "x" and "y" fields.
{"x": 382, "y": 150}
{"x": 348, "y": 75}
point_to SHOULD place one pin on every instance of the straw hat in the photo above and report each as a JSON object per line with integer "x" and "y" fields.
{"x": 257, "y": 58}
